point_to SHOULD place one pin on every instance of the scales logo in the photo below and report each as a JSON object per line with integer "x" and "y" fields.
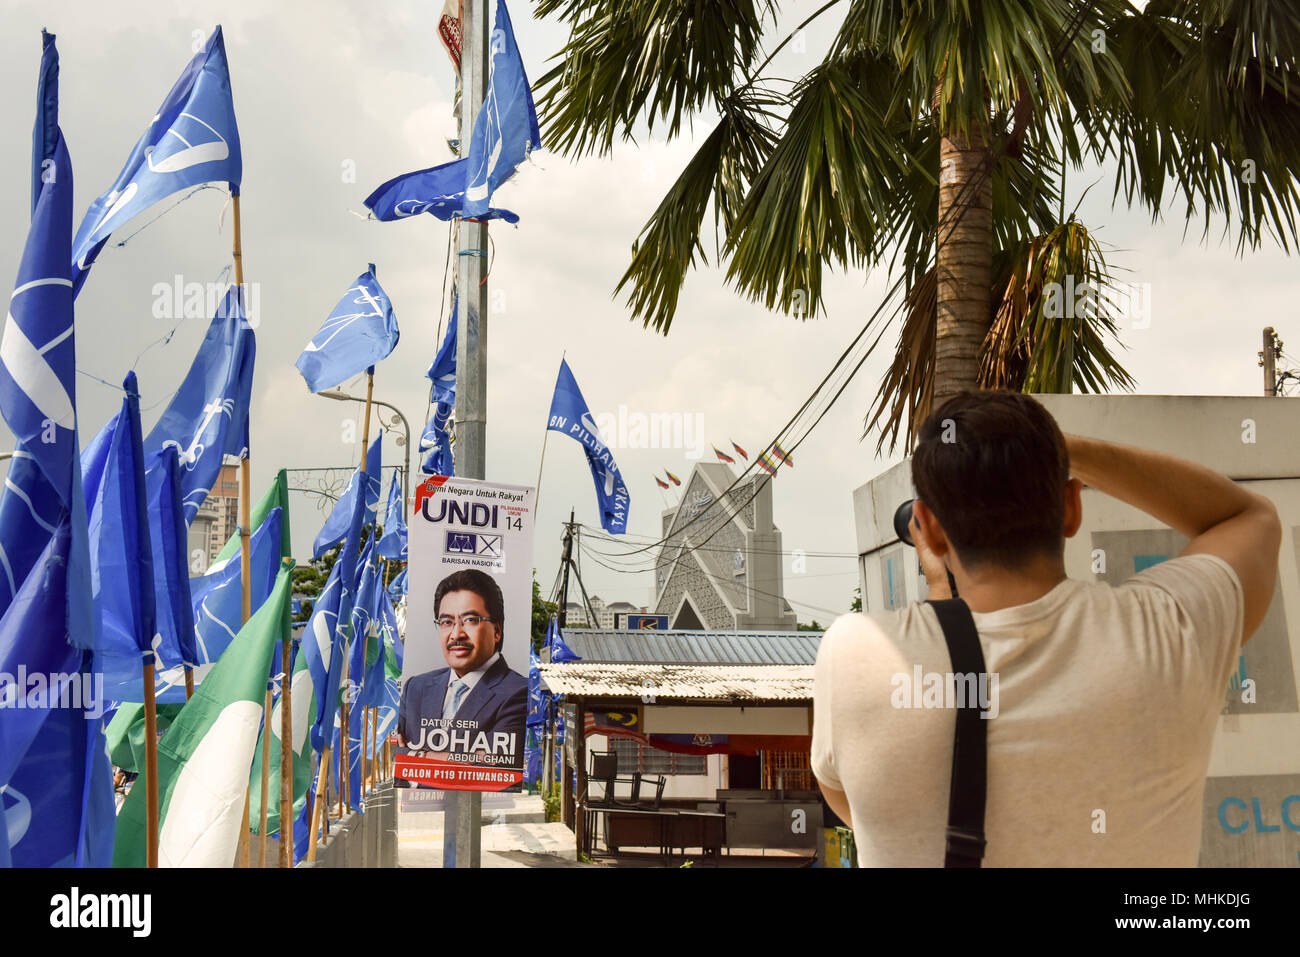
{"x": 469, "y": 543}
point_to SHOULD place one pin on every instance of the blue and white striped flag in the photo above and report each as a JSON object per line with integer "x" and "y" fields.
{"x": 360, "y": 331}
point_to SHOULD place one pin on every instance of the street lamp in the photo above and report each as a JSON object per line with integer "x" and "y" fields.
{"x": 342, "y": 396}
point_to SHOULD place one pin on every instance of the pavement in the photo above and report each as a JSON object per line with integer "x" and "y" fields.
{"x": 518, "y": 836}
{"x": 515, "y": 836}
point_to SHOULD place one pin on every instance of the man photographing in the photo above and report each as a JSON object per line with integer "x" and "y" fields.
{"x": 1109, "y": 696}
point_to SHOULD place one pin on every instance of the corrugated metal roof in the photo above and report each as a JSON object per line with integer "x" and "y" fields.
{"x": 694, "y": 647}
{"x": 681, "y": 682}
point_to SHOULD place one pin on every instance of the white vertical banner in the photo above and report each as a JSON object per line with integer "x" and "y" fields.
{"x": 464, "y": 698}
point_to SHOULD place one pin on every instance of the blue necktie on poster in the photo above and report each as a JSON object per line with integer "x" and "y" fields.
{"x": 506, "y": 128}
{"x": 570, "y": 415}
{"x": 360, "y": 332}
{"x": 438, "y": 191}
{"x": 336, "y": 526}
{"x": 192, "y": 139}
{"x": 208, "y": 418}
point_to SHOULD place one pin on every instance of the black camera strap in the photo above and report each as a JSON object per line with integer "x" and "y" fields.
{"x": 966, "y": 795}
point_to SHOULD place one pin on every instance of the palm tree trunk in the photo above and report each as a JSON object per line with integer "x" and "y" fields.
{"x": 964, "y": 261}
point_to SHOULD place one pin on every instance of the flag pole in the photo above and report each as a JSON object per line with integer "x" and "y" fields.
{"x": 266, "y": 779}
{"x": 364, "y": 736}
{"x": 322, "y": 793}
{"x": 150, "y": 765}
{"x": 286, "y": 750}
{"x": 237, "y": 253}
{"x": 546, "y": 433}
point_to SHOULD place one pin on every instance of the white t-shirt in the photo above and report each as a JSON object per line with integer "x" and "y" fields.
{"x": 1107, "y": 700}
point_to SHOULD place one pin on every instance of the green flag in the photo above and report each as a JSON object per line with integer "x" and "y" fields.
{"x": 125, "y": 733}
{"x": 204, "y": 758}
{"x": 277, "y": 496}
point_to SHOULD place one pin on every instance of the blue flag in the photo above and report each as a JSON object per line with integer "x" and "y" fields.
{"x": 443, "y": 371}
{"x": 536, "y": 716}
{"x": 336, "y": 526}
{"x": 570, "y": 415}
{"x": 318, "y": 644}
{"x": 560, "y": 652}
{"x": 192, "y": 139}
{"x": 365, "y": 621}
{"x": 435, "y": 442}
{"x": 56, "y": 799}
{"x": 375, "y": 690}
{"x": 208, "y": 417}
{"x": 45, "y": 131}
{"x": 121, "y": 553}
{"x": 506, "y": 128}
{"x": 393, "y": 545}
{"x": 174, "y": 645}
{"x": 218, "y": 600}
{"x": 397, "y": 587}
{"x": 438, "y": 191}
{"x": 361, "y": 331}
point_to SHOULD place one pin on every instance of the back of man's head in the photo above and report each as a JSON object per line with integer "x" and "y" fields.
{"x": 993, "y": 468}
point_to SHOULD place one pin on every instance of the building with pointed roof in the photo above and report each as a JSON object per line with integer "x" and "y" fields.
{"x": 720, "y": 567}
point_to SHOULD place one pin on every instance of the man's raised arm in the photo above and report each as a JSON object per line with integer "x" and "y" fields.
{"x": 1220, "y": 517}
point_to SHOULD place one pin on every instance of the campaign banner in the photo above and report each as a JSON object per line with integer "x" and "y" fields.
{"x": 464, "y": 696}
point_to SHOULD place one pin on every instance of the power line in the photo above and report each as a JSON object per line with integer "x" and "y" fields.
{"x": 748, "y": 588}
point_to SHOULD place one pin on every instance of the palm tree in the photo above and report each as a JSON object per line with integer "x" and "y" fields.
{"x": 934, "y": 138}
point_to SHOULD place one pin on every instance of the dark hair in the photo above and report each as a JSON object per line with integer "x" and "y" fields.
{"x": 992, "y": 467}
{"x": 481, "y": 584}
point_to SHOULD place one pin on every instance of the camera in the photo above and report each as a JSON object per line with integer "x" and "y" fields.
{"x": 903, "y": 522}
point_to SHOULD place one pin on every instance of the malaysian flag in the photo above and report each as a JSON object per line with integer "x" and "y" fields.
{"x": 621, "y": 724}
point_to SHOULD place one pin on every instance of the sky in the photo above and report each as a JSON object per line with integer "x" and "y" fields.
{"x": 335, "y": 97}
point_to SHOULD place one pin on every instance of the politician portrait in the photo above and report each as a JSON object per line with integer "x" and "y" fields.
{"x": 474, "y": 709}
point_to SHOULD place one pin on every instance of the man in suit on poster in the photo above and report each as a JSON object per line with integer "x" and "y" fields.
{"x": 477, "y": 704}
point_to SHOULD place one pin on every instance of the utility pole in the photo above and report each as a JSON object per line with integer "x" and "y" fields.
{"x": 1268, "y": 359}
{"x": 564, "y": 565}
{"x": 462, "y": 837}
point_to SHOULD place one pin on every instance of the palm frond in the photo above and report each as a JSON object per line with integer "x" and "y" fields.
{"x": 1058, "y": 306}
{"x": 1212, "y": 116}
{"x": 825, "y": 191}
{"x": 1056, "y": 310}
{"x": 720, "y": 170}
{"x": 907, "y": 391}
{"x": 628, "y": 60}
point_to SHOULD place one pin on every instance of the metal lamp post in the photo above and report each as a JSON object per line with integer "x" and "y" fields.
{"x": 404, "y": 442}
